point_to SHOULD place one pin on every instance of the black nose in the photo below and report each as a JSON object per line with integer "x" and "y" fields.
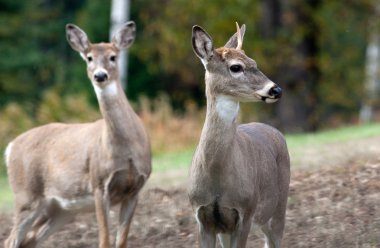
{"x": 100, "y": 77}
{"x": 275, "y": 91}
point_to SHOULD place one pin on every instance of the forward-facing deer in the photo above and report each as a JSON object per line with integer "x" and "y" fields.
{"x": 59, "y": 170}
{"x": 239, "y": 174}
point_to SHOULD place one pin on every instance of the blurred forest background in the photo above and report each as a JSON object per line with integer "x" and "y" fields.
{"x": 318, "y": 51}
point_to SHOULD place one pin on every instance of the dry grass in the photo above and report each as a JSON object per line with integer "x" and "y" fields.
{"x": 329, "y": 154}
{"x": 170, "y": 131}
{"x": 336, "y": 207}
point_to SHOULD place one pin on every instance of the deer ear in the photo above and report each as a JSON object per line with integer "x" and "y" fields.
{"x": 202, "y": 44}
{"x": 77, "y": 38}
{"x": 233, "y": 41}
{"x": 125, "y": 36}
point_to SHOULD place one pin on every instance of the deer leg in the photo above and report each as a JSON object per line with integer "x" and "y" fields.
{"x": 30, "y": 239}
{"x": 272, "y": 236}
{"x": 269, "y": 239}
{"x": 101, "y": 210}
{"x": 23, "y": 221}
{"x": 207, "y": 238}
{"x": 240, "y": 235}
{"x": 127, "y": 209}
{"x": 273, "y": 231}
{"x": 49, "y": 221}
{"x": 225, "y": 240}
{"x": 206, "y": 234}
{"x": 274, "y": 228}
{"x": 52, "y": 224}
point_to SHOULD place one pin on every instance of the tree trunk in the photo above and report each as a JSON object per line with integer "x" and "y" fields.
{"x": 119, "y": 15}
{"x": 372, "y": 81}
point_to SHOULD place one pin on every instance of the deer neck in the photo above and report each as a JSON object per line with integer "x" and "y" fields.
{"x": 120, "y": 120}
{"x": 219, "y": 130}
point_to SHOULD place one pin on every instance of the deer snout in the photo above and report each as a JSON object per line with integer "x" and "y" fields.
{"x": 100, "y": 75}
{"x": 275, "y": 92}
{"x": 270, "y": 93}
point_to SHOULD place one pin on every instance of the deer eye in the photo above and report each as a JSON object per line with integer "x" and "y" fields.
{"x": 89, "y": 58}
{"x": 236, "y": 68}
{"x": 113, "y": 58}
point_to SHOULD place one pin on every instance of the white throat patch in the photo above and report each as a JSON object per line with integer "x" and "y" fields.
{"x": 109, "y": 90}
{"x": 227, "y": 108}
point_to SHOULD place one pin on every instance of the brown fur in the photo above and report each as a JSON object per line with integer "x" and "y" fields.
{"x": 107, "y": 161}
{"x": 239, "y": 174}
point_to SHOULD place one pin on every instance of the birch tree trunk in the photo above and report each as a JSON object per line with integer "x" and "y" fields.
{"x": 120, "y": 10}
{"x": 372, "y": 80}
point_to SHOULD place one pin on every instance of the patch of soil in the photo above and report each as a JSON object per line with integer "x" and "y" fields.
{"x": 336, "y": 207}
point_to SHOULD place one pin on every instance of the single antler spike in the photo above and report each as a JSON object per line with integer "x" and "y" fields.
{"x": 239, "y": 38}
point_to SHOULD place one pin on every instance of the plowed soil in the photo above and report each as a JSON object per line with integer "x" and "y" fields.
{"x": 331, "y": 207}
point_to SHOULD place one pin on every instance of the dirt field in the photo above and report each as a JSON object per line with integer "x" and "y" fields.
{"x": 338, "y": 207}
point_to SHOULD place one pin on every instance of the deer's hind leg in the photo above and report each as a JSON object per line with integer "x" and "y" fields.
{"x": 23, "y": 220}
{"x": 48, "y": 222}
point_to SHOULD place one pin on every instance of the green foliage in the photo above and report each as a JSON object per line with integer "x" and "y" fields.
{"x": 35, "y": 54}
{"x": 36, "y": 57}
{"x": 163, "y": 42}
{"x": 29, "y": 32}
{"x": 335, "y": 88}
{"x": 341, "y": 59}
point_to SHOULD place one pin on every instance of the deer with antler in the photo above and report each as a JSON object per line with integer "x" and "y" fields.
{"x": 240, "y": 173}
{"x": 59, "y": 170}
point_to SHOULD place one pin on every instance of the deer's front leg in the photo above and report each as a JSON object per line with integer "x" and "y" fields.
{"x": 101, "y": 208}
{"x": 206, "y": 233}
{"x": 207, "y": 238}
{"x": 127, "y": 209}
{"x": 240, "y": 235}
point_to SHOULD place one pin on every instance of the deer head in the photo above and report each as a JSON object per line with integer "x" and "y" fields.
{"x": 101, "y": 58}
{"x": 230, "y": 72}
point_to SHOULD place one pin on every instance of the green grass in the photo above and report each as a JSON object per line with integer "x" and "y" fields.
{"x": 168, "y": 161}
{"x": 6, "y": 196}
{"x": 296, "y": 142}
{"x": 179, "y": 161}
{"x": 343, "y": 134}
